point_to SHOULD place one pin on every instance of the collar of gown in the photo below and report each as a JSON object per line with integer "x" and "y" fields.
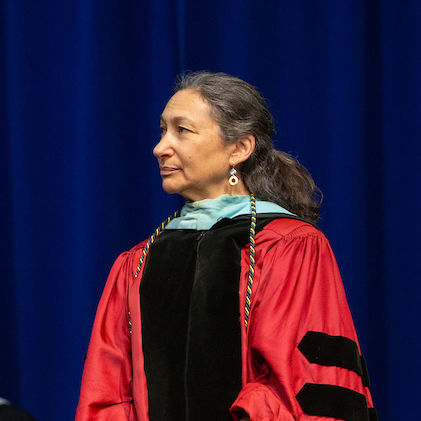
{"x": 203, "y": 214}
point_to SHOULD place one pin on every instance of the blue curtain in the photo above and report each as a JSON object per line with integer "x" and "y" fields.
{"x": 82, "y": 86}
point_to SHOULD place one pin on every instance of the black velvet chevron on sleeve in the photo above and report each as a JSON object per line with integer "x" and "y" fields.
{"x": 339, "y": 351}
{"x": 329, "y": 400}
{"x": 325, "y": 400}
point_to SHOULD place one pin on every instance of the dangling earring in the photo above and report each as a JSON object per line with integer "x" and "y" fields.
{"x": 233, "y": 180}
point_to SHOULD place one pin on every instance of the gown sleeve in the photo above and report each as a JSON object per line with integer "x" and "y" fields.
{"x": 303, "y": 357}
{"x": 106, "y": 382}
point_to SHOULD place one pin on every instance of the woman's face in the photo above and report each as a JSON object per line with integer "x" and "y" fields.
{"x": 193, "y": 159}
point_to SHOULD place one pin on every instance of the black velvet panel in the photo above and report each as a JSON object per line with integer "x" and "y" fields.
{"x": 164, "y": 301}
{"x": 213, "y": 369}
{"x": 339, "y": 351}
{"x": 190, "y": 320}
{"x": 326, "y": 400}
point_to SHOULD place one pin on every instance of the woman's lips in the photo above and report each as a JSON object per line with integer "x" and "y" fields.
{"x": 168, "y": 170}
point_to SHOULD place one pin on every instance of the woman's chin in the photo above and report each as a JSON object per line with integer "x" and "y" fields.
{"x": 169, "y": 187}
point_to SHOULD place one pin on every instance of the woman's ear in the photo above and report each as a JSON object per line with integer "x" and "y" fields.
{"x": 243, "y": 148}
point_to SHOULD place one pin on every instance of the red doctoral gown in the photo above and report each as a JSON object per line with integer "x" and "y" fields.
{"x": 300, "y": 356}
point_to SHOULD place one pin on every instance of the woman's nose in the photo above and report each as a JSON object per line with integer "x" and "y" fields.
{"x": 161, "y": 148}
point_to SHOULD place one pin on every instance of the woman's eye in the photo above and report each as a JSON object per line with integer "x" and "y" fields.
{"x": 182, "y": 129}
{"x": 163, "y": 130}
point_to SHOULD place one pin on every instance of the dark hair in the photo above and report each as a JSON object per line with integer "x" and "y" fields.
{"x": 271, "y": 175}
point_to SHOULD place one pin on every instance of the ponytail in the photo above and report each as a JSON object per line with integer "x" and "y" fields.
{"x": 283, "y": 180}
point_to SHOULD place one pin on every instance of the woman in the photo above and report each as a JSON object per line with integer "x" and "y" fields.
{"x": 235, "y": 308}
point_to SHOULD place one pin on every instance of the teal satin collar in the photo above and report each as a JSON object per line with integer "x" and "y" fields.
{"x": 203, "y": 214}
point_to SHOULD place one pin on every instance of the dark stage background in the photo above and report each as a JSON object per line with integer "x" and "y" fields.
{"x": 82, "y": 86}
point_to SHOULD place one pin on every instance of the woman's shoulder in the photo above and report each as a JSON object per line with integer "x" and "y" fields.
{"x": 292, "y": 228}
{"x": 126, "y": 262}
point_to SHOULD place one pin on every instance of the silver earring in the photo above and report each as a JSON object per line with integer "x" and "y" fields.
{"x": 233, "y": 180}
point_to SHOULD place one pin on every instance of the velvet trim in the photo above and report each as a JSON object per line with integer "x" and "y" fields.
{"x": 325, "y": 400}
{"x": 164, "y": 298}
{"x": 323, "y": 349}
{"x": 191, "y": 333}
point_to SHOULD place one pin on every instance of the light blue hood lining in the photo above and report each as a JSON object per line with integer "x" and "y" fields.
{"x": 203, "y": 214}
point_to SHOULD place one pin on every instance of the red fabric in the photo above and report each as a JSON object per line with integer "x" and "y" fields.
{"x": 296, "y": 288}
{"x": 113, "y": 390}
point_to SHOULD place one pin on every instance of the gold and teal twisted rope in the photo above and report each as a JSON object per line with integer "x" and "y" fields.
{"x": 152, "y": 238}
{"x": 252, "y": 261}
